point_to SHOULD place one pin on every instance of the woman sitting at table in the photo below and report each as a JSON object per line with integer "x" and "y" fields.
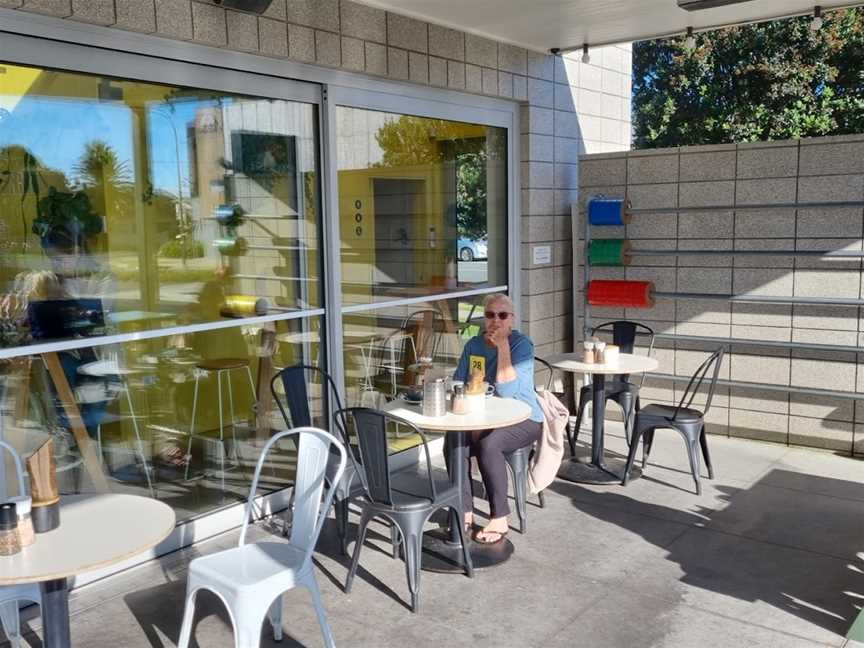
{"x": 506, "y": 358}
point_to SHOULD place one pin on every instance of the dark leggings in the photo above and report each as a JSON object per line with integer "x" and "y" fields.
{"x": 490, "y": 449}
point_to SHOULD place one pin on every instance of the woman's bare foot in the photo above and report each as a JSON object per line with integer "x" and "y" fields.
{"x": 494, "y": 531}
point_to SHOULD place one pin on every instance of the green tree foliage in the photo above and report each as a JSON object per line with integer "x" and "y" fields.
{"x": 766, "y": 81}
{"x": 411, "y": 141}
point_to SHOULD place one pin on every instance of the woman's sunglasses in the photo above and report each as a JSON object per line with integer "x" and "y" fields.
{"x": 501, "y": 316}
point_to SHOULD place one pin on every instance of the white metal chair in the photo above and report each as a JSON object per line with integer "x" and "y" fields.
{"x": 251, "y": 578}
{"x": 11, "y": 594}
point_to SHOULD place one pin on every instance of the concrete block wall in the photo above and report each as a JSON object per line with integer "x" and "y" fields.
{"x": 569, "y": 107}
{"x": 820, "y": 169}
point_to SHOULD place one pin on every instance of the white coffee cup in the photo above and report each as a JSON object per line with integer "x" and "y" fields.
{"x": 475, "y": 403}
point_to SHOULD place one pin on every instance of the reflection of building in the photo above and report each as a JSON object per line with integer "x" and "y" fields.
{"x": 246, "y": 153}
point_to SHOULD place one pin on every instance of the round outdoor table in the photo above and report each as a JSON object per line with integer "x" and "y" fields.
{"x": 597, "y": 470}
{"x": 443, "y": 550}
{"x": 96, "y": 531}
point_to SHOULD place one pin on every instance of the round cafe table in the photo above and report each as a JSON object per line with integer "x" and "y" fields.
{"x": 96, "y": 531}
{"x": 442, "y": 551}
{"x": 597, "y": 470}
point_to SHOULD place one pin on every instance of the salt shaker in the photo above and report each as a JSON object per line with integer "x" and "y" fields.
{"x": 589, "y": 351}
{"x": 9, "y": 544}
{"x": 26, "y": 534}
{"x": 458, "y": 404}
{"x": 599, "y": 351}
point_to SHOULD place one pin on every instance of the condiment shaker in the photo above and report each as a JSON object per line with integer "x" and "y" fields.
{"x": 589, "y": 352}
{"x": 9, "y": 544}
{"x": 599, "y": 351}
{"x": 26, "y": 534}
{"x": 458, "y": 404}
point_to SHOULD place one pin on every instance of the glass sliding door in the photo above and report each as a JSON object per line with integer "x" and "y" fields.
{"x": 422, "y": 205}
{"x": 423, "y": 217}
{"x": 159, "y": 261}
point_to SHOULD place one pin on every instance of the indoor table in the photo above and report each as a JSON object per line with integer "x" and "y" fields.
{"x": 95, "y": 532}
{"x": 597, "y": 470}
{"x": 442, "y": 551}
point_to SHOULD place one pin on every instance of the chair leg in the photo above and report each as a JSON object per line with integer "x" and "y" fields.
{"x": 692, "y": 444}
{"x": 358, "y": 544}
{"x": 647, "y": 442}
{"x": 221, "y": 430}
{"x": 703, "y": 442}
{"x": 631, "y": 455}
{"x": 413, "y": 548}
{"x": 10, "y": 620}
{"x": 340, "y": 510}
{"x": 275, "y": 616}
{"x": 188, "y": 617}
{"x": 520, "y": 488}
{"x": 466, "y": 550}
{"x": 542, "y": 497}
{"x": 573, "y": 427}
{"x": 312, "y": 585}
{"x": 192, "y": 426}
{"x": 395, "y": 541}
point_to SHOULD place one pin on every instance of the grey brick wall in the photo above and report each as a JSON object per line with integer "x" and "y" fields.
{"x": 570, "y": 108}
{"x": 819, "y": 169}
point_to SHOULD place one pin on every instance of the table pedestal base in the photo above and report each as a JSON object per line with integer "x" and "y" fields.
{"x": 582, "y": 472}
{"x": 55, "y": 613}
{"x": 443, "y": 556}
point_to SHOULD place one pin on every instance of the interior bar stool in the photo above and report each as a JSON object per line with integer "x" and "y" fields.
{"x": 222, "y": 367}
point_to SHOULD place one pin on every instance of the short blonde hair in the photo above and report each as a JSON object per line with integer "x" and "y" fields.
{"x": 498, "y": 297}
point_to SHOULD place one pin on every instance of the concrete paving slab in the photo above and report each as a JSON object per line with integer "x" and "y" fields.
{"x": 753, "y": 562}
{"x": 801, "y": 593}
{"x": 793, "y": 518}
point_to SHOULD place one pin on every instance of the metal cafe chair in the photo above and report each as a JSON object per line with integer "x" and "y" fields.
{"x": 519, "y": 462}
{"x": 689, "y": 422}
{"x": 251, "y": 578}
{"x": 295, "y": 381}
{"x": 406, "y": 503}
{"x": 619, "y": 389}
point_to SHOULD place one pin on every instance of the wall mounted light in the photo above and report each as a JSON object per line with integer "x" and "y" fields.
{"x": 586, "y": 57}
{"x": 690, "y": 41}
{"x": 816, "y": 23}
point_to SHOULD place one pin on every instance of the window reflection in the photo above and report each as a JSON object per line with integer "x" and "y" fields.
{"x": 161, "y": 203}
{"x": 423, "y": 205}
{"x": 149, "y": 417}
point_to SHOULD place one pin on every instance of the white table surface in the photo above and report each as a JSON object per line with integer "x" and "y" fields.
{"x": 628, "y": 363}
{"x": 95, "y": 531}
{"x": 103, "y": 368}
{"x": 500, "y": 412}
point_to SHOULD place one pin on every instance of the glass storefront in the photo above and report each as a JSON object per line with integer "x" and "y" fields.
{"x": 161, "y": 258}
{"x": 185, "y": 218}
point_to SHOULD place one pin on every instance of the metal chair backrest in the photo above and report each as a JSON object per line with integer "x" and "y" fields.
{"x": 314, "y": 448}
{"x": 715, "y": 360}
{"x": 295, "y": 383}
{"x": 429, "y": 328}
{"x": 544, "y": 366}
{"x": 624, "y": 334}
{"x": 370, "y": 427}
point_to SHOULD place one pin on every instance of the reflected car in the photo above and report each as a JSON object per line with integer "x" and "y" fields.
{"x": 470, "y": 249}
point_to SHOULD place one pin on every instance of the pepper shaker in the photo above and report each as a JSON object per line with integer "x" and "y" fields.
{"x": 9, "y": 544}
{"x": 26, "y": 533}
